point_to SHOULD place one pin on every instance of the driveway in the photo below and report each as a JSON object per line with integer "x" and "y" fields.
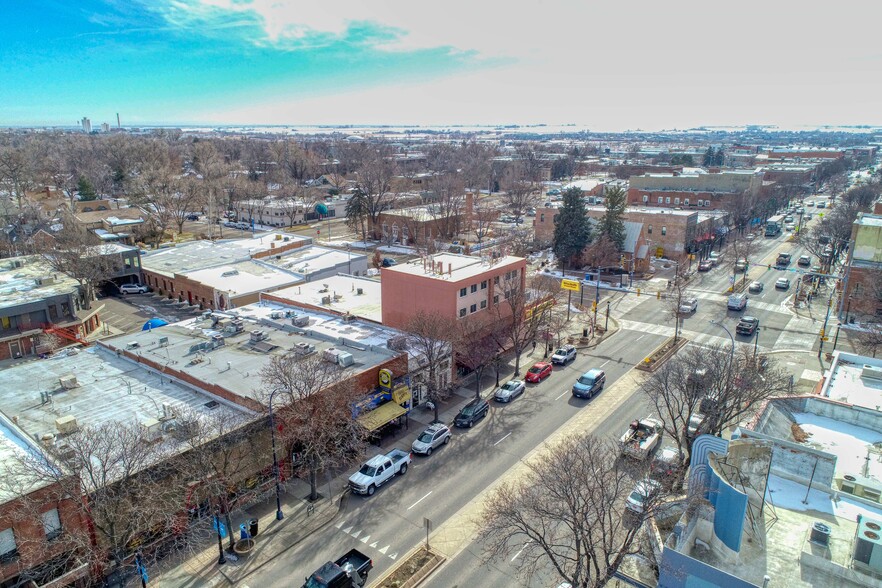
{"x": 129, "y": 313}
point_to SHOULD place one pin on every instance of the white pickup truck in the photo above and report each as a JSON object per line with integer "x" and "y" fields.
{"x": 378, "y": 470}
{"x": 641, "y": 438}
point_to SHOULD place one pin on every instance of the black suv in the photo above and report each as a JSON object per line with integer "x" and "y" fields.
{"x": 747, "y": 325}
{"x": 471, "y": 413}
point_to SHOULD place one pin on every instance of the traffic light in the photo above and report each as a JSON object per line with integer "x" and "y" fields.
{"x": 593, "y": 307}
{"x": 822, "y": 333}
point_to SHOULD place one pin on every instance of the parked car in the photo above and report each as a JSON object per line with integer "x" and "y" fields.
{"x": 665, "y": 466}
{"x": 553, "y": 192}
{"x": 697, "y": 424}
{"x": 389, "y": 262}
{"x": 538, "y": 372}
{"x": 736, "y": 302}
{"x": 747, "y": 325}
{"x": 192, "y": 217}
{"x": 433, "y": 437}
{"x": 804, "y": 260}
{"x": 642, "y": 495}
{"x": 589, "y": 384}
{"x": 471, "y": 413}
{"x": 750, "y": 236}
{"x": 349, "y": 571}
{"x": 509, "y": 391}
{"x": 378, "y": 470}
{"x": 133, "y": 289}
{"x": 641, "y": 438}
{"x": 755, "y": 287}
{"x": 782, "y": 284}
{"x": 689, "y": 305}
{"x": 564, "y": 355}
{"x": 705, "y": 266}
{"x": 716, "y": 257}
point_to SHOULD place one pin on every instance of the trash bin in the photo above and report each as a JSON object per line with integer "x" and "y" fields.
{"x": 252, "y": 527}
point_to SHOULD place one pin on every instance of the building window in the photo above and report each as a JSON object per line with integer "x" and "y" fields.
{"x": 483, "y": 304}
{"x": 474, "y": 308}
{"x": 484, "y": 285}
{"x": 660, "y": 199}
{"x": 496, "y": 281}
{"x": 462, "y": 292}
{"x": 51, "y": 524}
{"x": 8, "y": 548}
{"x": 664, "y": 230}
{"x": 677, "y": 201}
{"x": 542, "y": 217}
{"x": 496, "y": 299}
{"x": 645, "y": 199}
{"x": 649, "y": 229}
{"x": 462, "y": 312}
{"x": 686, "y": 201}
{"x": 667, "y": 200}
{"x": 474, "y": 288}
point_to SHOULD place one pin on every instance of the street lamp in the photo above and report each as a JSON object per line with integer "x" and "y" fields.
{"x": 756, "y": 341}
{"x": 731, "y": 339}
{"x": 276, "y": 473}
{"x": 221, "y": 560}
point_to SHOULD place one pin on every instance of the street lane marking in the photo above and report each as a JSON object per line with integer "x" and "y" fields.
{"x": 520, "y": 551}
{"x": 498, "y": 442}
{"x": 604, "y": 363}
{"x": 562, "y": 394}
{"x": 365, "y": 539}
{"x": 420, "y": 500}
{"x": 640, "y": 337}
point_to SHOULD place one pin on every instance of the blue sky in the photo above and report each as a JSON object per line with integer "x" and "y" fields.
{"x": 639, "y": 64}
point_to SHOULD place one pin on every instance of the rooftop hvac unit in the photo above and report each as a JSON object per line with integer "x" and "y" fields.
{"x": 868, "y": 544}
{"x": 168, "y": 410}
{"x": 66, "y": 424}
{"x": 858, "y": 485}
{"x": 820, "y": 534}
{"x": 163, "y": 342}
{"x": 326, "y": 300}
{"x": 16, "y": 263}
{"x": 47, "y": 281}
{"x": 258, "y": 335}
{"x": 331, "y": 355}
{"x": 300, "y": 321}
{"x": 304, "y": 348}
{"x": 230, "y": 273}
{"x": 871, "y": 372}
{"x": 48, "y": 439}
{"x": 68, "y": 382}
{"x": 359, "y": 291}
{"x": 65, "y": 451}
{"x": 217, "y": 340}
{"x": 348, "y": 318}
{"x": 397, "y": 343}
{"x": 152, "y": 428}
{"x": 345, "y": 359}
{"x": 277, "y": 314}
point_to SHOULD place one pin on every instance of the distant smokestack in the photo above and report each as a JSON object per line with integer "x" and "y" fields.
{"x": 117, "y": 121}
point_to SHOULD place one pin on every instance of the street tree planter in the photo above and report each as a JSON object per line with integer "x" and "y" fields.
{"x": 661, "y": 354}
{"x": 243, "y": 547}
{"x": 412, "y": 570}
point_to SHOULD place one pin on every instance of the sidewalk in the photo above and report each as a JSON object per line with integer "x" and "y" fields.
{"x": 273, "y": 539}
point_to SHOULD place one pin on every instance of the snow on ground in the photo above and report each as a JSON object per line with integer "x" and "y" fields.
{"x": 789, "y": 495}
{"x": 397, "y": 249}
{"x": 849, "y": 443}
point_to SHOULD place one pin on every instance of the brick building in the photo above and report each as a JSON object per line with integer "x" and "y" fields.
{"x": 456, "y": 286}
{"x": 666, "y": 232}
{"x": 419, "y": 225}
{"x": 41, "y": 529}
{"x": 693, "y": 190}
{"x": 863, "y": 295}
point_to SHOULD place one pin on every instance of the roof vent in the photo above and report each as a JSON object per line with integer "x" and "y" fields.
{"x": 871, "y": 372}
{"x": 230, "y": 273}
{"x": 68, "y": 382}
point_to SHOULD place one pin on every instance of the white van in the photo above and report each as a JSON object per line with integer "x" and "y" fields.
{"x": 737, "y": 302}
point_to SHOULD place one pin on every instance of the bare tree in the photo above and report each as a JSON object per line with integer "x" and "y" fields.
{"x": 482, "y": 217}
{"x": 603, "y": 252}
{"x": 77, "y": 254}
{"x": 520, "y": 310}
{"x": 432, "y": 336}
{"x": 374, "y": 181}
{"x": 869, "y": 339}
{"x": 567, "y": 512}
{"x": 476, "y": 348}
{"x": 724, "y": 385}
{"x": 519, "y": 196}
{"x": 676, "y": 295}
{"x": 110, "y": 472}
{"x": 742, "y": 250}
{"x": 15, "y": 172}
{"x": 314, "y": 408}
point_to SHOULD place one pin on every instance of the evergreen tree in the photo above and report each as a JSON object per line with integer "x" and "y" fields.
{"x": 612, "y": 224}
{"x": 718, "y": 157}
{"x": 708, "y": 159}
{"x": 572, "y": 233}
{"x": 357, "y": 213}
{"x": 85, "y": 189}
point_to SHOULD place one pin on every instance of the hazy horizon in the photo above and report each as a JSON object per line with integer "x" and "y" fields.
{"x": 608, "y": 68}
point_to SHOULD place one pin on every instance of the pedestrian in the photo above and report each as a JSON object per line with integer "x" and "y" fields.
{"x": 534, "y": 345}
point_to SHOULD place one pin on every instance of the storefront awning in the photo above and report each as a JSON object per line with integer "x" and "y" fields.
{"x": 381, "y": 415}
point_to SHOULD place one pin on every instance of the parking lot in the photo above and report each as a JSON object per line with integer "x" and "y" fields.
{"x": 128, "y": 314}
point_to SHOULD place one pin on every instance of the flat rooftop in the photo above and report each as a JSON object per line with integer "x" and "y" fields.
{"x": 236, "y": 365}
{"x": 845, "y": 381}
{"x": 851, "y": 444}
{"x": 314, "y": 259}
{"x": 244, "y": 277}
{"x": 454, "y": 267}
{"x": 344, "y": 295}
{"x": 869, "y": 220}
{"x": 18, "y": 285}
{"x": 197, "y": 255}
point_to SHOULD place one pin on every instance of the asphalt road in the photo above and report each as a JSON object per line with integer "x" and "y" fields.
{"x": 388, "y": 524}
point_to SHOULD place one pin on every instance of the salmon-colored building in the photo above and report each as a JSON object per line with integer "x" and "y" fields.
{"x": 457, "y": 286}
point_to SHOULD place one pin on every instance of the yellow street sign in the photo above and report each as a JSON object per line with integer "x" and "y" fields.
{"x": 569, "y": 285}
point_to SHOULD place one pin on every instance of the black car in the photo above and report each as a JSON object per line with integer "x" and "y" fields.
{"x": 471, "y": 413}
{"x": 747, "y": 325}
{"x": 389, "y": 262}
